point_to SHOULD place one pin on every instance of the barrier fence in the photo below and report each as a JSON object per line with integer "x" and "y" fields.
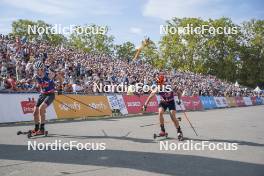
{"x": 19, "y": 107}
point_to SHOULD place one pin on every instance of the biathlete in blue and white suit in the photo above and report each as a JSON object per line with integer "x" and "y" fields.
{"x": 45, "y": 81}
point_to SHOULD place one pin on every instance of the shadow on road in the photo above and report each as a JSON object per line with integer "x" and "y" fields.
{"x": 162, "y": 163}
{"x": 126, "y": 138}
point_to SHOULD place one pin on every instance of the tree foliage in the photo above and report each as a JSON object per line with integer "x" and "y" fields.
{"x": 234, "y": 55}
{"x": 94, "y": 41}
{"x": 25, "y": 28}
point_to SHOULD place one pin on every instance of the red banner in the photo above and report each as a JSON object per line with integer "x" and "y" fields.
{"x": 197, "y": 104}
{"x": 240, "y": 101}
{"x": 133, "y": 104}
{"x": 28, "y": 106}
{"x": 153, "y": 103}
{"x": 188, "y": 103}
{"x": 254, "y": 100}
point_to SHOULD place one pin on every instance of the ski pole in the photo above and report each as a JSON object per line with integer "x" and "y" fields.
{"x": 190, "y": 123}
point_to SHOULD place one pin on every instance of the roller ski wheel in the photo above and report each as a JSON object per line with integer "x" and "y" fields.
{"x": 180, "y": 136}
{"x": 160, "y": 135}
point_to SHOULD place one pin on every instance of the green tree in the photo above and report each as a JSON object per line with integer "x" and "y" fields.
{"x": 206, "y": 52}
{"x": 125, "y": 51}
{"x": 29, "y": 28}
{"x": 95, "y": 40}
{"x": 251, "y": 71}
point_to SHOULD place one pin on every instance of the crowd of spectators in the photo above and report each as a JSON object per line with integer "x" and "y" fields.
{"x": 78, "y": 71}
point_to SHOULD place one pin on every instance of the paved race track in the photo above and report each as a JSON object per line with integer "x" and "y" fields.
{"x": 131, "y": 150}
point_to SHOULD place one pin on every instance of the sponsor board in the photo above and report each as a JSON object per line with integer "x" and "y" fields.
{"x": 197, "y": 104}
{"x": 221, "y": 102}
{"x": 133, "y": 104}
{"x": 247, "y": 101}
{"x": 231, "y": 101}
{"x": 188, "y": 103}
{"x": 74, "y": 106}
{"x": 239, "y": 101}
{"x": 19, "y": 107}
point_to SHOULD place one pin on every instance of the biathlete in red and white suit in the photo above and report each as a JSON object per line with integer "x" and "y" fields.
{"x": 166, "y": 102}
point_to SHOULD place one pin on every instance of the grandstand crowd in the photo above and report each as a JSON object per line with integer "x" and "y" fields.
{"x": 78, "y": 71}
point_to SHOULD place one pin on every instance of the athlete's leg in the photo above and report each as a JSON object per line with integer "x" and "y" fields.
{"x": 42, "y": 110}
{"x": 174, "y": 119}
{"x": 36, "y": 112}
{"x": 172, "y": 109}
{"x": 36, "y": 118}
{"x": 161, "y": 119}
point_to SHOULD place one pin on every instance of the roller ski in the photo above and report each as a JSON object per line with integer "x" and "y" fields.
{"x": 33, "y": 133}
{"x": 161, "y": 134}
{"x": 37, "y": 133}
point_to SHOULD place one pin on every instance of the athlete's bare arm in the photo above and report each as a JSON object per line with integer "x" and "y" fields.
{"x": 152, "y": 94}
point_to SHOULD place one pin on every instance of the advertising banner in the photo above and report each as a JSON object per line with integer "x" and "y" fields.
{"x": 212, "y": 102}
{"x": 247, "y": 101}
{"x": 122, "y": 104}
{"x": 197, "y": 104}
{"x": 231, "y": 101}
{"x": 262, "y": 100}
{"x": 258, "y": 101}
{"x": 19, "y": 107}
{"x": 205, "y": 101}
{"x": 221, "y": 102}
{"x": 224, "y": 102}
{"x": 113, "y": 102}
{"x": 188, "y": 103}
{"x": 240, "y": 101}
{"x": 133, "y": 104}
{"x": 74, "y": 106}
{"x": 254, "y": 100}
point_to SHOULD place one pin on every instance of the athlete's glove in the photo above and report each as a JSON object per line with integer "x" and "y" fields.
{"x": 179, "y": 102}
{"x": 144, "y": 108}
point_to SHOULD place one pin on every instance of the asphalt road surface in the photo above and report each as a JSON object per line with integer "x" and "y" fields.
{"x": 131, "y": 150}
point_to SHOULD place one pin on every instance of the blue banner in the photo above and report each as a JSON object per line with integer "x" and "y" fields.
{"x": 208, "y": 102}
{"x": 212, "y": 102}
{"x": 259, "y": 101}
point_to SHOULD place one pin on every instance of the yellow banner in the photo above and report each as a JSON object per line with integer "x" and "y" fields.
{"x": 231, "y": 101}
{"x": 74, "y": 106}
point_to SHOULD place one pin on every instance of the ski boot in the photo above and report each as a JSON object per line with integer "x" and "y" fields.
{"x": 180, "y": 134}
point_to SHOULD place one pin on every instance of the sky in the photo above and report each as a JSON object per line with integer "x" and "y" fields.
{"x": 129, "y": 20}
